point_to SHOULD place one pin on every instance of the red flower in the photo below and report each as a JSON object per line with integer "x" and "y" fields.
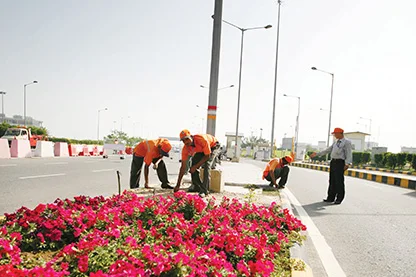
{"x": 83, "y": 264}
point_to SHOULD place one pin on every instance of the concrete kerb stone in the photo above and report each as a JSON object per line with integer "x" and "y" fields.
{"x": 378, "y": 177}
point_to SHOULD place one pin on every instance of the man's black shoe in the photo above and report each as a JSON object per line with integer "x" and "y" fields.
{"x": 201, "y": 194}
{"x": 193, "y": 189}
{"x": 337, "y": 202}
{"x": 271, "y": 185}
{"x": 166, "y": 186}
{"x": 281, "y": 187}
{"x": 328, "y": 201}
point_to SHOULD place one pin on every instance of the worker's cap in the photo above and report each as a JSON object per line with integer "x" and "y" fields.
{"x": 185, "y": 134}
{"x": 165, "y": 148}
{"x": 288, "y": 159}
{"x": 338, "y": 131}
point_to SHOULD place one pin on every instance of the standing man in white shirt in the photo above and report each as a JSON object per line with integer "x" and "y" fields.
{"x": 341, "y": 160}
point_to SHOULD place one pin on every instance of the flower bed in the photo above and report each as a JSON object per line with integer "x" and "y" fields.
{"x": 128, "y": 235}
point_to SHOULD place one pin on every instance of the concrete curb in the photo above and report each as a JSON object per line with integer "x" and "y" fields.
{"x": 296, "y": 252}
{"x": 376, "y": 177}
{"x": 372, "y": 169}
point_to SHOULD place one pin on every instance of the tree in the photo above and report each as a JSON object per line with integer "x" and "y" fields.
{"x": 379, "y": 160}
{"x": 414, "y": 161}
{"x": 253, "y": 141}
{"x": 122, "y": 137}
{"x": 391, "y": 160}
{"x": 401, "y": 160}
{"x": 365, "y": 158}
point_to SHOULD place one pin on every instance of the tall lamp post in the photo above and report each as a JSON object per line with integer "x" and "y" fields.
{"x": 369, "y": 139}
{"x": 243, "y": 30}
{"x": 24, "y": 98}
{"x": 2, "y": 104}
{"x": 330, "y": 103}
{"x": 279, "y": 3}
{"x": 98, "y": 125}
{"x": 297, "y": 122}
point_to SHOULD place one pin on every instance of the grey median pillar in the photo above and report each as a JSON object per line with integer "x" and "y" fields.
{"x": 215, "y": 68}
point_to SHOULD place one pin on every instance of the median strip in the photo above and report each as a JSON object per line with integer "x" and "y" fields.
{"x": 42, "y": 176}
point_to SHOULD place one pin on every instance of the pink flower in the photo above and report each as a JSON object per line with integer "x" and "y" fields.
{"x": 41, "y": 237}
{"x": 83, "y": 263}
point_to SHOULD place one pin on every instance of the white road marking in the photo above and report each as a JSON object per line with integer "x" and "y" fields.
{"x": 328, "y": 259}
{"x": 56, "y": 163}
{"x": 7, "y": 165}
{"x": 103, "y": 170}
{"x": 42, "y": 176}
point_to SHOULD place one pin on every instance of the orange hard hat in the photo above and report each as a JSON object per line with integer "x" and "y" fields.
{"x": 165, "y": 148}
{"x": 288, "y": 159}
{"x": 338, "y": 130}
{"x": 185, "y": 134}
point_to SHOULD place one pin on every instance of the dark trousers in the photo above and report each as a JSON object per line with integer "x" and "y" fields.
{"x": 203, "y": 186}
{"x": 136, "y": 170}
{"x": 336, "y": 189}
{"x": 282, "y": 173}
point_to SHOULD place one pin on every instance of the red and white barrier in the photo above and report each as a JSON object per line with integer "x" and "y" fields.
{"x": 85, "y": 151}
{"x": 4, "y": 149}
{"x": 20, "y": 149}
{"x": 61, "y": 149}
{"x": 44, "y": 149}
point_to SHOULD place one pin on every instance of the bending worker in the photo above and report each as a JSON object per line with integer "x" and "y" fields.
{"x": 277, "y": 168}
{"x": 203, "y": 150}
{"x": 150, "y": 151}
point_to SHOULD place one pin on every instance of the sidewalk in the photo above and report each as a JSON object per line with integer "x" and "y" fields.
{"x": 396, "y": 179}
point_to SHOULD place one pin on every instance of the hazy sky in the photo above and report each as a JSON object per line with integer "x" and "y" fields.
{"x": 146, "y": 59}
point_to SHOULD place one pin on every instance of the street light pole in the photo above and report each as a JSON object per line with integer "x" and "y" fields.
{"x": 369, "y": 139}
{"x": 330, "y": 103}
{"x": 215, "y": 68}
{"x": 98, "y": 125}
{"x": 279, "y": 3}
{"x": 243, "y": 30}
{"x": 24, "y": 99}
{"x": 297, "y": 122}
{"x": 2, "y": 103}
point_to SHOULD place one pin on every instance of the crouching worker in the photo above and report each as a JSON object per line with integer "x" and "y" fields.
{"x": 275, "y": 169}
{"x": 150, "y": 151}
{"x": 203, "y": 149}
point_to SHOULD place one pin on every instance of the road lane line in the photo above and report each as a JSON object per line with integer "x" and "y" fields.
{"x": 328, "y": 259}
{"x": 7, "y": 165}
{"x": 42, "y": 176}
{"x": 103, "y": 170}
{"x": 56, "y": 163}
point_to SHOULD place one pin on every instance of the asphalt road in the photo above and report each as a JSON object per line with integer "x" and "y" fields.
{"x": 28, "y": 182}
{"x": 372, "y": 233}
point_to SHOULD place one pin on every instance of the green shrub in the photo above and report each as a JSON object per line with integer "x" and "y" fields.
{"x": 379, "y": 160}
{"x": 401, "y": 160}
{"x": 391, "y": 160}
{"x": 365, "y": 158}
{"x": 357, "y": 158}
{"x": 414, "y": 161}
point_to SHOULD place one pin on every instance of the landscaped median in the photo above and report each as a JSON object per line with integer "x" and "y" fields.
{"x": 130, "y": 235}
{"x": 376, "y": 176}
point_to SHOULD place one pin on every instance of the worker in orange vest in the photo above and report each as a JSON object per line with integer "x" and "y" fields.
{"x": 203, "y": 150}
{"x": 150, "y": 151}
{"x": 277, "y": 168}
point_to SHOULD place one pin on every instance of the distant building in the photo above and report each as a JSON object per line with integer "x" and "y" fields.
{"x": 358, "y": 140}
{"x": 410, "y": 150}
{"x": 321, "y": 145}
{"x": 19, "y": 120}
{"x": 287, "y": 143}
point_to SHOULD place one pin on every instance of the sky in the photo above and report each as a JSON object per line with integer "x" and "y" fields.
{"x": 145, "y": 62}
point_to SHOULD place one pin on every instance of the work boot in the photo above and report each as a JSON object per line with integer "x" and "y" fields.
{"x": 193, "y": 188}
{"x": 166, "y": 186}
